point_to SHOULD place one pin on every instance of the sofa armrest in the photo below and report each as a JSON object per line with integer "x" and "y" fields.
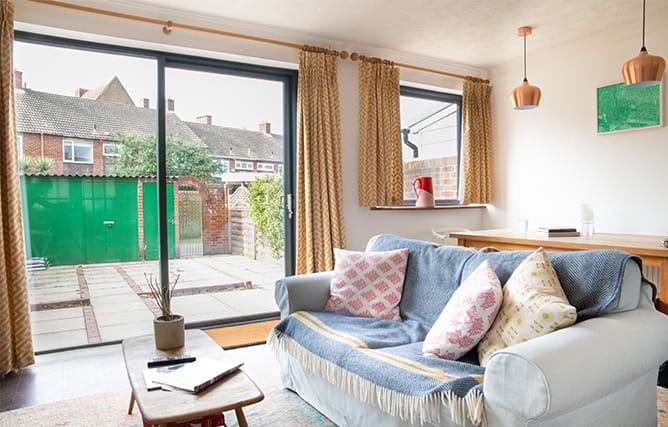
{"x": 308, "y": 292}
{"x": 567, "y": 369}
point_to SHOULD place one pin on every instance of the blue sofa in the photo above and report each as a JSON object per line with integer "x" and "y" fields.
{"x": 601, "y": 371}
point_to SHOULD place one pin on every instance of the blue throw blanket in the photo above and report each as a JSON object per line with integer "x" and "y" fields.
{"x": 380, "y": 361}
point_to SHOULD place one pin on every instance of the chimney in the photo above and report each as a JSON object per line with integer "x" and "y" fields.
{"x": 79, "y": 92}
{"x": 206, "y": 119}
{"x": 170, "y": 104}
{"x": 145, "y": 102}
{"x": 18, "y": 79}
{"x": 265, "y": 127}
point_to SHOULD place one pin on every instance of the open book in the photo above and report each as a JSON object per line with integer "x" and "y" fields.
{"x": 193, "y": 377}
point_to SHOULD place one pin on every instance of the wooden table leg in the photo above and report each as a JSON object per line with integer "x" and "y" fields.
{"x": 241, "y": 419}
{"x": 132, "y": 403}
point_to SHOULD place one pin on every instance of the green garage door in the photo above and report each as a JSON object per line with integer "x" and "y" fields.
{"x": 81, "y": 220}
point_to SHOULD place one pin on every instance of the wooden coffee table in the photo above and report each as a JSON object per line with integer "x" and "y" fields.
{"x": 160, "y": 407}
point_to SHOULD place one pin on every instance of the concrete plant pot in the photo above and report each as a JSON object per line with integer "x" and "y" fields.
{"x": 169, "y": 333}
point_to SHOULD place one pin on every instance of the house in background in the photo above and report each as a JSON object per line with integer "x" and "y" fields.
{"x": 244, "y": 155}
{"x": 80, "y": 134}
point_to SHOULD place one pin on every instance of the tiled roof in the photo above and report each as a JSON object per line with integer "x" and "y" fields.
{"x": 220, "y": 139}
{"x": 70, "y": 116}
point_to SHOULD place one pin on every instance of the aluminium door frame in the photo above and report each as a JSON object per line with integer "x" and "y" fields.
{"x": 197, "y": 63}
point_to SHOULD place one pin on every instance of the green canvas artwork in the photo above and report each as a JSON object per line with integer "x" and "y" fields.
{"x": 622, "y": 108}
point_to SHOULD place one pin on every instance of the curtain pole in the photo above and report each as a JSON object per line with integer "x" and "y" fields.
{"x": 168, "y": 25}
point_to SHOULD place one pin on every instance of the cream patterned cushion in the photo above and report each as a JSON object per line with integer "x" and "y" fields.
{"x": 534, "y": 304}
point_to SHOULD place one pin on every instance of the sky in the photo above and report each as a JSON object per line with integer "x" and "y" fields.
{"x": 238, "y": 102}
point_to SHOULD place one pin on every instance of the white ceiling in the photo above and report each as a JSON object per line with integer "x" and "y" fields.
{"x": 474, "y": 32}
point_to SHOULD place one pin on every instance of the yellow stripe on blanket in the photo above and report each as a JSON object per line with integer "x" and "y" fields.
{"x": 397, "y": 361}
{"x": 317, "y": 325}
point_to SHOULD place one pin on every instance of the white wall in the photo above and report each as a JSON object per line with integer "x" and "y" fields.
{"x": 550, "y": 160}
{"x": 360, "y": 223}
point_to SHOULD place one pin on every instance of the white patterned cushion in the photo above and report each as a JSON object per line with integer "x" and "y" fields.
{"x": 534, "y": 304}
{"x": 467, "y": 316}
{"x": 368, "y": 284}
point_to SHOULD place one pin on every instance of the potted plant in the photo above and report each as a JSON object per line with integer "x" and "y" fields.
{"x": 168, "y": 328}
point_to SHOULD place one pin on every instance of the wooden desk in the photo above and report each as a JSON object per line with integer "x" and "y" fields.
{"x": 160, "y": 407}
{"x": 646, "y": 247}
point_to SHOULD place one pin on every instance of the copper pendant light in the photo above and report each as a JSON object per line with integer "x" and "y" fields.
{"x": 525, "y": 96}
{"x": 644, "y": 70}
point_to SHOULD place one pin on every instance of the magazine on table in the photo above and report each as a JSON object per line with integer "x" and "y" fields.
{"x": 193, "y": 377}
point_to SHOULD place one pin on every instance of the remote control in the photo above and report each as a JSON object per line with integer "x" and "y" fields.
{"x": 170, "y": 360}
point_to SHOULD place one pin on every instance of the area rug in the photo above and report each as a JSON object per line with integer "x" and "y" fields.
{"x": 279, "y": 408}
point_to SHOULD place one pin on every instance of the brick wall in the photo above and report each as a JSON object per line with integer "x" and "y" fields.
{"x": 443, "y": 172}
{"x": 51, "y": 146}
{"x": 215, "y": 233}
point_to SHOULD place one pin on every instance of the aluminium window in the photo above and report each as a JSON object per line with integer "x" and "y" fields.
{"x": 77, "y": 151}
{"x": 265, "y": 167}
{"x": 431, "y": 142}
{"x": 246, "y": 166}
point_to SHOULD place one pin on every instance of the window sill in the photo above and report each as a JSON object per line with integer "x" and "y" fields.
{"x": 435, "y": 208}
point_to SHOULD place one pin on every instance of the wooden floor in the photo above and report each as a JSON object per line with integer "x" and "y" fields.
{"x": 242, "y": 335}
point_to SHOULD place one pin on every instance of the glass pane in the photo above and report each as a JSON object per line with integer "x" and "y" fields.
{"x": 84, "y": 224}
{"x": 67, "y": 151}
{"x": 228, "y": 223}
{"x": 83, "y": 152}
{"x": 430, "y": 145}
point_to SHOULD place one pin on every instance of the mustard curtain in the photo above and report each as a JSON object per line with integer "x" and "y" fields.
{"x": 380, "y": 159}
{"x": 319, "y": 187}
{"x": 15, "y": 337}
{"x": 477, "y": 143}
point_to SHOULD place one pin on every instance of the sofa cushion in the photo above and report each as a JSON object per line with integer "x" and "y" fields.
{"x": 467, "y": 316}
{"x": 534, "y": 304}
{"x": 595, "y": 282}
{"x": 432, "y": 275}
{"x": 368, "y": 284}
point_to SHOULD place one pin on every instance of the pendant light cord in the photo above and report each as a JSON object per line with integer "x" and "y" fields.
{"x": 643, "y": 25}
{"x": 525, "y": 57}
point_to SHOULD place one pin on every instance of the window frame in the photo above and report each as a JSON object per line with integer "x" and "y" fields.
{"x": 453, "y": 98}
{"x": 225, "y": 166}
{"x": 244, "y": 168}
{"x": 262, "y": 167}
{"x": 109, "y": 144}
{"x": 19, "y": 145}
{"x": 165, "y": 59}
{"x": 73, "y": 143}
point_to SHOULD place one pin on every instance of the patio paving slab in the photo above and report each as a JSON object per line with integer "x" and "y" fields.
{"x": 118, "y": 312}
{"x": 60, "y": 339}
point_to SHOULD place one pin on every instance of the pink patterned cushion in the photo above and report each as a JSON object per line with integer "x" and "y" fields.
{"x": 467, "y": 316}
{"x": 368, "y": 284}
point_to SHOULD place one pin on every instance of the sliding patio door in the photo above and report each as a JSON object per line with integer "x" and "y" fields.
{"x": 227, "y": 160}
{"x": 100, "y": 217}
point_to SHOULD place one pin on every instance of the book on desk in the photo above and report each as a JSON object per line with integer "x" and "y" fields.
{"x": 193, "y": 377}
{"x": 557, "y": 231}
